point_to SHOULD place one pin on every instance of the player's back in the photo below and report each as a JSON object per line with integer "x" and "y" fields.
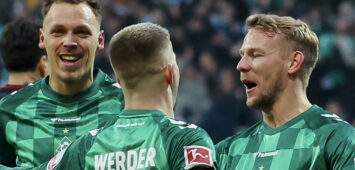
{"x": 140, "y": 139}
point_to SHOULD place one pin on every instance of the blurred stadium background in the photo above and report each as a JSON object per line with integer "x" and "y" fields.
{"x": 206, "y": 36}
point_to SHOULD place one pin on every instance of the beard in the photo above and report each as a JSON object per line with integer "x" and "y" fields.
{"x": 268, "y": 98}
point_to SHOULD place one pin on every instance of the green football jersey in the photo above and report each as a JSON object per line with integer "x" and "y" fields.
{"x": 139, "y": 139}
{"x": 36, "y": 123}
{"x": 316, "y": 139}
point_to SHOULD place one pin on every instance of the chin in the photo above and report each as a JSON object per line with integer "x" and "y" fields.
{"x": 70, "y": 78}
{"x": 251, "y": 100}
{"x": 251, "y": 103}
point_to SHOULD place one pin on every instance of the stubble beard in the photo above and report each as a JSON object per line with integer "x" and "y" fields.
{"x": 267, "y": 100}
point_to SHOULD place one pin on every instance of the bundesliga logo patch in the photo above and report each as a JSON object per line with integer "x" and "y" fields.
{"x": 197, "y": 155}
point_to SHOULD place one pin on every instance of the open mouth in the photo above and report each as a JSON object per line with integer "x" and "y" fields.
{"x": 249, "y": 85}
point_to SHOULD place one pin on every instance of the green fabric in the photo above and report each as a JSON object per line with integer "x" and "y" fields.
{"x": 139, "y": 139}
{"x": 316, "y": 139}
{"x": 36, "y": 123}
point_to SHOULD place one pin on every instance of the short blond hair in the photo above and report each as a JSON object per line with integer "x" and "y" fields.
{"x": 303, "y": 39}
{"x": 137, "y": 51}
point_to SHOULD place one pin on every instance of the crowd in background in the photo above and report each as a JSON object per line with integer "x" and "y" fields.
{"x": 207, "y": 35}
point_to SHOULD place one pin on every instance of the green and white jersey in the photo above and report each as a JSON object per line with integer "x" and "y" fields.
{"x": 139, "y": 139}
{"x": 316, "y": 139}
{"x": 36, "y": 123}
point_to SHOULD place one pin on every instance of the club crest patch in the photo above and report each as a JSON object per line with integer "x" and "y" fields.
{"x": 55, "y": 160}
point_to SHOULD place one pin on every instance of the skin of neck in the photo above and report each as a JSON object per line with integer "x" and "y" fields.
{"x": 71, "y": 87}
{"x": 150, "y": 95}
{"x": 21, "y": 78}
{"x": 290, "y": 103}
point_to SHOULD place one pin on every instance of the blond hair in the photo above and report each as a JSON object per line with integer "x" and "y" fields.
{"x": 137, "y": 51}
{"x": 302, "y": 38}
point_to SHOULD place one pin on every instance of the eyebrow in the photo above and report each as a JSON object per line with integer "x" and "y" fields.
{"x": 57, "y": 26}
{"x": 80, "y": 27}
{"x": 241, "y": 52}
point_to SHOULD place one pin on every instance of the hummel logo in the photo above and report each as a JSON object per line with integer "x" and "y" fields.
{"x": 65, "y": 120}
{"x": 335, "y": 117}
{"x": 265, "y": 154}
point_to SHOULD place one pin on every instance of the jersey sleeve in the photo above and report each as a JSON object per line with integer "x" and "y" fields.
{"x": 340, "y": 148}
{"x": 7, "y": 154}
{"x": 191, "y": 148}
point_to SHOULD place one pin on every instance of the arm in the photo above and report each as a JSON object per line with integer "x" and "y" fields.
{"x": 71, "y": 158}
{"x": 7, "y": 154}
{"x": 191, "y": 148}
{"x": 340, "y": 148}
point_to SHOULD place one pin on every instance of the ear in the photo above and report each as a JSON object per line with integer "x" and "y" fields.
{"x": 168, "y": 73}
{"x": 41, "y": 39}
{"x": 101, "y": 45}
{"x": 42, "y": 66}
{"x": 296, "y": 62}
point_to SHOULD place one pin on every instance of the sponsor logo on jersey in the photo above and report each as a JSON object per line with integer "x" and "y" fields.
{"x": 65, "y": 120}
{"x": 132, "y": 159}
{"x": 63, "y": 144}
{"x": 197, "y": 155}
{"x": 265, "y": 154}
{"x": 55, "y": 160}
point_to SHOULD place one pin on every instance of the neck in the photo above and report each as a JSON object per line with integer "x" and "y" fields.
{"x": 71, "y": 87}
{"x": 149, "y": 99}
{"x": 22, "y": 78}
{"x": 291, "y": 103}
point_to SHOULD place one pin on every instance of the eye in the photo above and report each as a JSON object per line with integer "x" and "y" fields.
{"x": 83, "y": 33}
{"x": 257, "y": 55}
{"x": 57, "y": 32}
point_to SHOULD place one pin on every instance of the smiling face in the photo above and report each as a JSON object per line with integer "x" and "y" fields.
{"x": 71, "y": 35}
{"x": 263, "y": 67}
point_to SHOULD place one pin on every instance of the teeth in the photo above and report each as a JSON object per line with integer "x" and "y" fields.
{"x": 70, "y": 58}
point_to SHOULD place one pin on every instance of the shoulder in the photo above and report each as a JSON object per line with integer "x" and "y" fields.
{"x": 105, "y": 81}
{"x": 187, "y": 142}
{"x": 180, "y": 128}
{"x": 107, "y": 85}
{"x": 324, "y": 121}
{"x": 5, "y": 91}
{"x": 18, "y": 97}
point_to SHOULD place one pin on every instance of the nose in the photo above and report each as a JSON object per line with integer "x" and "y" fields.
{"x": 70, "y": 41}
{"x": 243, "y": 64}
